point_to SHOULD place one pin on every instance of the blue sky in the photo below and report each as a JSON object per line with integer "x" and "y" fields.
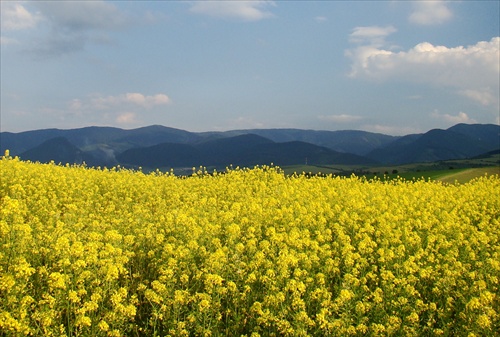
{"x": 393, "y": 67}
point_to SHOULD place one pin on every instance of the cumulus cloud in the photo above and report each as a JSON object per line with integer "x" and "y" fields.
{"x": 239, "y": 10}
{"x": 74, "y": 24}
{"x": 484, "y": 96}
{"x": 343, "y": 118}
{"x": 146, "y": 101}
{"x": 430, "y": 12}
{"x": 82, "y": 15}
{"x": 472, "y": 70}
{"x": 138, "y": 99}
{"x": 370, "y": 40}
{"x": 76, "y": 104}
{"x": 15, "y": 16}
{"x": 62, "y": 27}
{"x": 461, "y": 117}
{"x": 126, "y": 118}
{"x": 428, "y": 62}
{"x": 373, "y": 35}
{"x": 124, "y": 109}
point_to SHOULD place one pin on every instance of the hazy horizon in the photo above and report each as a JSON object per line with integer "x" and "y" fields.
{"x": 209, "y": 131}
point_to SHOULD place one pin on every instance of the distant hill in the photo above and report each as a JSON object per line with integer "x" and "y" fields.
{"x": 156, "y": 145}
{"x": 238, "y": 150}
{"x": 351, "y": 141}
{"x": 243, "y": 150}
{"x": 58, "y": 149}
{"x": 93, "y": 137}
{"x": 458, "y": 142}
{"x": 156, "y": 134}
{"x": 162, "y": 155}
{"x": 296, "y": 152}
{"x": 488, "y": 134}
{"x": 487, "y": 154}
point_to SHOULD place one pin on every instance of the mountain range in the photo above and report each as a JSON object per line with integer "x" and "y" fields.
{"x": 164, "y": 147}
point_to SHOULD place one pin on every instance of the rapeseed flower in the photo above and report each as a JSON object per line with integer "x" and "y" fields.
{"x": 113, "y": 252}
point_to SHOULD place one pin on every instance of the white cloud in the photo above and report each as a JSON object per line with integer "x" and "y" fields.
{"x": 343, "y": 118}
{"x": 461, "y": 117}
{"x": 15, "y": 16}
{"x": 469, "y": 69}
{"x": 320, "y": 19}
{"x": 135, "y": 98}
{"x": 370, "y": 39}
{"x": 430, "y": 12}
{"x": 99, "y": 109}
{"x": 374, "y": 35}
{"x": 76, "y": 105}
{"x": 126, "y": 118}
{"x": 62, "y": 27}
{"x": 485, "y": 96}
{"x": 82, "y": 15}
{"x": 240, "y": 10}
{"x": 146, "y": 101}
{"x": 362, "y": 56}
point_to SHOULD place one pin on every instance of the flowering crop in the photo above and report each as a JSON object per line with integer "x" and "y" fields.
{"x": 251, "y": 252}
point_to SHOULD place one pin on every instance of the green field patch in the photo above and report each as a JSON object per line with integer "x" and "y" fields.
{"x": 463, "y": 176}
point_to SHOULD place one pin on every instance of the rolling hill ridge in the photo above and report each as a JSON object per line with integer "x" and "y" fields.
{"x": 243, "y": 150}
{"x": 159, "y": 146}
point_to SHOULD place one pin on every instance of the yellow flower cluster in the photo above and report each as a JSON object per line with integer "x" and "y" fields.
{"x": 249, "y": 252}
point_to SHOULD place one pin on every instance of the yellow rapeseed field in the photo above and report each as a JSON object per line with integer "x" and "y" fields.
{"x": 251, "y": 252}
